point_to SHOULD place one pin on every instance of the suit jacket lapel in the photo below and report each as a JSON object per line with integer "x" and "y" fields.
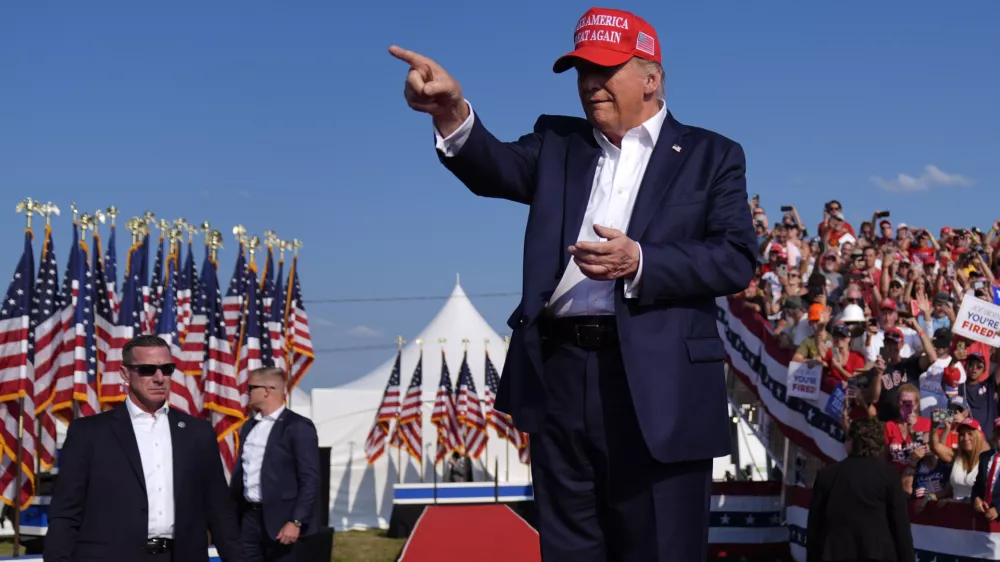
{"x": 663, "y": 166}
{"x": 122, "y": 427}
{"x": 180, "y": 444}
{"x": 581, "y": 165}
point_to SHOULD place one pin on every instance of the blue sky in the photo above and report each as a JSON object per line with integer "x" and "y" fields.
{"x": 290, "y": 116}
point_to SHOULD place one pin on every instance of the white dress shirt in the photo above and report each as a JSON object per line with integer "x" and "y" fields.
{"x": 612, "y": 198}
{"x": 253, "y": 453}
{"x": 152, "y": 434}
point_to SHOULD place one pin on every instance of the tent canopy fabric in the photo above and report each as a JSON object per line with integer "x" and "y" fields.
{"x": 361, "y": 494}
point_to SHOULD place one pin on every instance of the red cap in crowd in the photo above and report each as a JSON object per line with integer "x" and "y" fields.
{"x": 970, "y": 422}
{"x": 888, "y": 304}
{"x": 608, "y": 37}
{"x": 894, "y": 334}
{"x": 996, "y": 423}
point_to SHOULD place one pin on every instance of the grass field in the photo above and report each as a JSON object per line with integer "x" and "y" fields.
{"x": 348, "y": 546}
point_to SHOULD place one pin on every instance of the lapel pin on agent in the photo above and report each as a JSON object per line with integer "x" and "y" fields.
{"x": 181, "y": 424}
{"x": 676, "y": 147}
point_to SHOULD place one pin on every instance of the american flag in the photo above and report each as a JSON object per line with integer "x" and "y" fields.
{"x": 109, "y": 358}
{"x": 500, "y": 421}
{"x": 299, "y": 347}
{"x": 387, "y": 412}
{"x": 127, "y": 325}
{"x": 17, "y": 379}
{"x": 187, "y": 288}
{"x": 181, "y": 385}
{"x": 443, "y": 416}
{"x": 46, "y": 323}
{"x": 111, "y": 270}
{"x": 409, "y": 427}
{"x": 62, "y": 400}
{"x": 155, "y": 291}
{"x": 85, "y": 354}
{"x": 255, "y": 342}
{"x": 222, "y": 394}
{"x": 267, "y": 281}
{"x": 645, "y": 43}
{"x": 470, "y": 412}
{"x": 276, "y": 318}
{"x": 232, "y": 304}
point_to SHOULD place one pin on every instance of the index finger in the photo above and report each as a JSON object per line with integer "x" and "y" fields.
{"x": 410, "y": 57}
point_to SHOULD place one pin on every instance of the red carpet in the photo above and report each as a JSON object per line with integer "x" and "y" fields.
{"x": 484, "y": 533}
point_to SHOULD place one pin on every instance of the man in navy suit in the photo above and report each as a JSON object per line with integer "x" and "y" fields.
{"x": 615, "y": 366}
{"x": 142, "y": 482}
{"x": 276, "y": 479}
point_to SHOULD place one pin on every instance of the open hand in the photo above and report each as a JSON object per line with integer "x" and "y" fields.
{"x": 430, "y": 89}
{"x": 617, "y": 257}
{"x": 288, "y": 534}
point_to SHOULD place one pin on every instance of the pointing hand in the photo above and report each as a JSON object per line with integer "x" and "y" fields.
{"x": 430, "y": 89}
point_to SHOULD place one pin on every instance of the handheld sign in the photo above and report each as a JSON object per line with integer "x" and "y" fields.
{"x": 979, "y": 321}
{"x": 996, "y": 295}
{"x": 803, "y": 381}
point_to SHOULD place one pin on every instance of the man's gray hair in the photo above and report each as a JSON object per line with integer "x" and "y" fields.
{"x": 648, "y": 67}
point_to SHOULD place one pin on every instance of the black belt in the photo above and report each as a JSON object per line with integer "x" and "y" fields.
{"x": 158, "y": 545}
{"x": 586, "y": 332}
{"x": 255, "y": 506}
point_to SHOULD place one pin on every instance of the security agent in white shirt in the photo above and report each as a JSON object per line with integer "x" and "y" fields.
{"x": 141, "y": 481}
{"x": 276, "y": 479}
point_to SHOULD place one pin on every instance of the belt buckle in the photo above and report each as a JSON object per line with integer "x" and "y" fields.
{"x": 587, "y": 340}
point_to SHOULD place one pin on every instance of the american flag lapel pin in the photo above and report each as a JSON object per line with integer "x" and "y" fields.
{"x": 676, "y": 147}
{"x": 181, "y": 425}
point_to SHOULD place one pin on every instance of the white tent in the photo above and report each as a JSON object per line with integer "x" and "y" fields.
{"x": 361, "y": 494}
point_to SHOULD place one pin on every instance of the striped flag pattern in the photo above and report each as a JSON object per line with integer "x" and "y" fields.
{"x": 409, "y": 427}
{"x": 222, "y": 394}
{"x": 232, "y": 303}
{"x": 85, "y": 350}
{"x": 127, "y": 325}
{"x": 17, "y": 378}
{"x": 62, "y": 400}
{"x": 276, "y": 319}
{"x": 299, "y": 347}
{"x": 181, "y": 384}
{"x": 500, "y": 421}
{"x": 108, "y": 358}
{"x": 111, "y": 270}
{"x": 443, "y": 416}
{"x": 187, "y": 288}
{"x": 387, "y": 412}
{"x": 46, "y": 323}
{"x": 469, "y": 411}
{"x": 254, "y": 347}
{"x": 155, "y": 291}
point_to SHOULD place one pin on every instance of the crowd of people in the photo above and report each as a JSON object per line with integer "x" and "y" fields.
{"x": 876, "y": 307}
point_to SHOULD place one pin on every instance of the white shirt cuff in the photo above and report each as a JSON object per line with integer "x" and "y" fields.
{"x": 633, "y": 285}
{"x": 450, "y": 145}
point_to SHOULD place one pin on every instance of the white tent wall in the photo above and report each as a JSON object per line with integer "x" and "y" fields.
{"x": 361, "y": 494}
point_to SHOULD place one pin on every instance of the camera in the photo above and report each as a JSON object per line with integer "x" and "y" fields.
{"x": 978, "y": 248}
{"x": 786, "y": 208}
{"x": 882, "y": 214}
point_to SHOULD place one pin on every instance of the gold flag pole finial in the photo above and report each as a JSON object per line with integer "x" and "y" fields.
{"x": 296, "y": 244}
{"x": 29, "y": 206}
{"x": 420, "y": 342}
{"x": 282, "y": 246}
{"x": 465, "y": 344}
{"x": 192, "y": 231}
{"x": 400, "y": 341}
{"x": 86, "y": 223}
{"x": 76, "y": 212}
{"x": 252, "y": 245}
{"x": 240, "y": 233}
{"x": 148, "y": 218}
{"x": 442, "y": 342}
{"x": 47, "y": 210}
{"x": 214, "y": 241}
{"x": 112, "y": 214}
{"x": 270, "y": 238}
{"x": 99, "y": 216}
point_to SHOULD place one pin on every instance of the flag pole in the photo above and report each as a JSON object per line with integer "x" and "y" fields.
{"x": 18, "y": 479}
{"x": 29, "y": 207}
{"x": 506, "y": 344}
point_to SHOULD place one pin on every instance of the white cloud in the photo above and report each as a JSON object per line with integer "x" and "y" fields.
{"x": 932, "y": 177}
{"x": 321, "y": 322}
{"x": 364, "y": 332}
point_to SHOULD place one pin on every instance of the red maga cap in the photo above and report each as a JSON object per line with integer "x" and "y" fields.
{"x": 608, "y": 37}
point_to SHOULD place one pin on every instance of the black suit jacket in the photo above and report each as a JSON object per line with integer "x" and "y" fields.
{"x": 859, "y": 512}
{"x": 979, "y": 487}
{"x": 289, "y": 479}
{"x": 99, "y": 506}
{"x": 693, "y": 223}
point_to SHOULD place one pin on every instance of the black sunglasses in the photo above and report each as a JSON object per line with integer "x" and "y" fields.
{"x": 149, "y": 370}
